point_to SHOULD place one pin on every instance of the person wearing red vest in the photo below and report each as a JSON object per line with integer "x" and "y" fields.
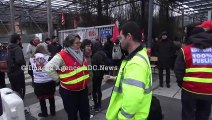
{"x": 70, "y": 67}
{"x": 193, "y": 70}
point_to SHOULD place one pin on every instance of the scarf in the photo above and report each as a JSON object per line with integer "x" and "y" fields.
{"x": 77, "y": 54}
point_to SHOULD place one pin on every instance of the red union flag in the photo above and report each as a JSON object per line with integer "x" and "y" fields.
{"x": 63, "y": 18}
{"x": 115, "y": 31}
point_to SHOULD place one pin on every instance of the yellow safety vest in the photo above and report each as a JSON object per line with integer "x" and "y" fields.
{"x": 132, "y": 93}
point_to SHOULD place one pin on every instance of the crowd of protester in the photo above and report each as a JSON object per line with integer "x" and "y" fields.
{"x": 81, "y": 53}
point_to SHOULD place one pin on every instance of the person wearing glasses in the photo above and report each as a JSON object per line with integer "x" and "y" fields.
{"x": 69, "y": 66}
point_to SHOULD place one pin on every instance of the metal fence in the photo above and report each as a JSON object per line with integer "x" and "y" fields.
{"x": 91, "y": 33}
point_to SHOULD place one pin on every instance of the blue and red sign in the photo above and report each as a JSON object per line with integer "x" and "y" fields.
{"x": 105, "y": 33}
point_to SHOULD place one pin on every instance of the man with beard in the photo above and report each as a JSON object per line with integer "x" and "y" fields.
{"x": 132, "y": 94}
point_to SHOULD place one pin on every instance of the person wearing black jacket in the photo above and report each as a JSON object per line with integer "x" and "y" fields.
{"x": 54, "y": 47}
{"x": 165, "y": 53}
{"x": 193, "y": 77}
{"x": 98, "y": 59}
{"x": 3, "y": 52}
{"x": 108, "y": 48}
{"x": 15, "y": 61}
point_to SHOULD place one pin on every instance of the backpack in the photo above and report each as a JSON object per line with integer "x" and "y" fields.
{"x": 116, "y": 53}
{"x": 155, "y": 112}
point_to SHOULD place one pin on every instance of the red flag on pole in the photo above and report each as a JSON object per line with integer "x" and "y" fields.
{"x": 63, "y": 18}
{"x": 115, "y": 31}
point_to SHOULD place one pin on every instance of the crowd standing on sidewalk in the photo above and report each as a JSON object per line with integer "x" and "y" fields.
{"x": 68, "y": 67}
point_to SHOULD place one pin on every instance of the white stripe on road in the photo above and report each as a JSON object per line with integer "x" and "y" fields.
{"x": 26, "y": 80}
{"x": 35, "y": 108}
{"x": 30, "y": 89}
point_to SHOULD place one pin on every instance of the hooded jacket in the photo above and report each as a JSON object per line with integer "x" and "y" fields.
{"x": 201, "y": 40}
{"x": 165, "y": 52}
{"x": 99, "y": 56}
{"x": 54, "y": 48}
{"x": 108, "y": 48}
{"x": 15, "y": 58}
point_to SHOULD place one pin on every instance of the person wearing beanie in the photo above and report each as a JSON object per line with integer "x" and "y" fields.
{"x": 165, "y": 52}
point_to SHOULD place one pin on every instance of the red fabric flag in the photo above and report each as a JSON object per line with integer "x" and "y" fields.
{"x": 115, "y": 31}
{"x": 63, "y": 18}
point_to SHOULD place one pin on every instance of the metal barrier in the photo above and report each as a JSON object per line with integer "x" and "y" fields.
{"x": 91, "y": 33}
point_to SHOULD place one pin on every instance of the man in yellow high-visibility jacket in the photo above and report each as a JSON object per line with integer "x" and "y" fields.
{"x": 132, "y": 94}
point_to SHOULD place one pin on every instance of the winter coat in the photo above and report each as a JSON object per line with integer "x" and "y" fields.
{"x": 3, "y": 53}
{"x": 165, "y": 53}
{"x": 30, "y": 50}
{"x": 54, "y": 48}
{"x": 45, "y": 46}
{"x": 108, "y": 48}
{"x": 15, "y": 58}
{"x": 55, "y": 62}
{"x": 154, "y": 48}
{"x": 90, "y": 75}
{"x": 177, "y": 45}
{"x": 99, "y": 58}
{"x": 201, "y": 40}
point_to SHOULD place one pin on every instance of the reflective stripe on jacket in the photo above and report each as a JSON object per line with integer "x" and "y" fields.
{"x": 73, "y": 76}
{"x": 198, "y": 73}
{"x": 132, "y": 93}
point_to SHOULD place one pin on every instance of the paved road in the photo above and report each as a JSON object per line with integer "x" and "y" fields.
{"x": 169, "y": 99}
